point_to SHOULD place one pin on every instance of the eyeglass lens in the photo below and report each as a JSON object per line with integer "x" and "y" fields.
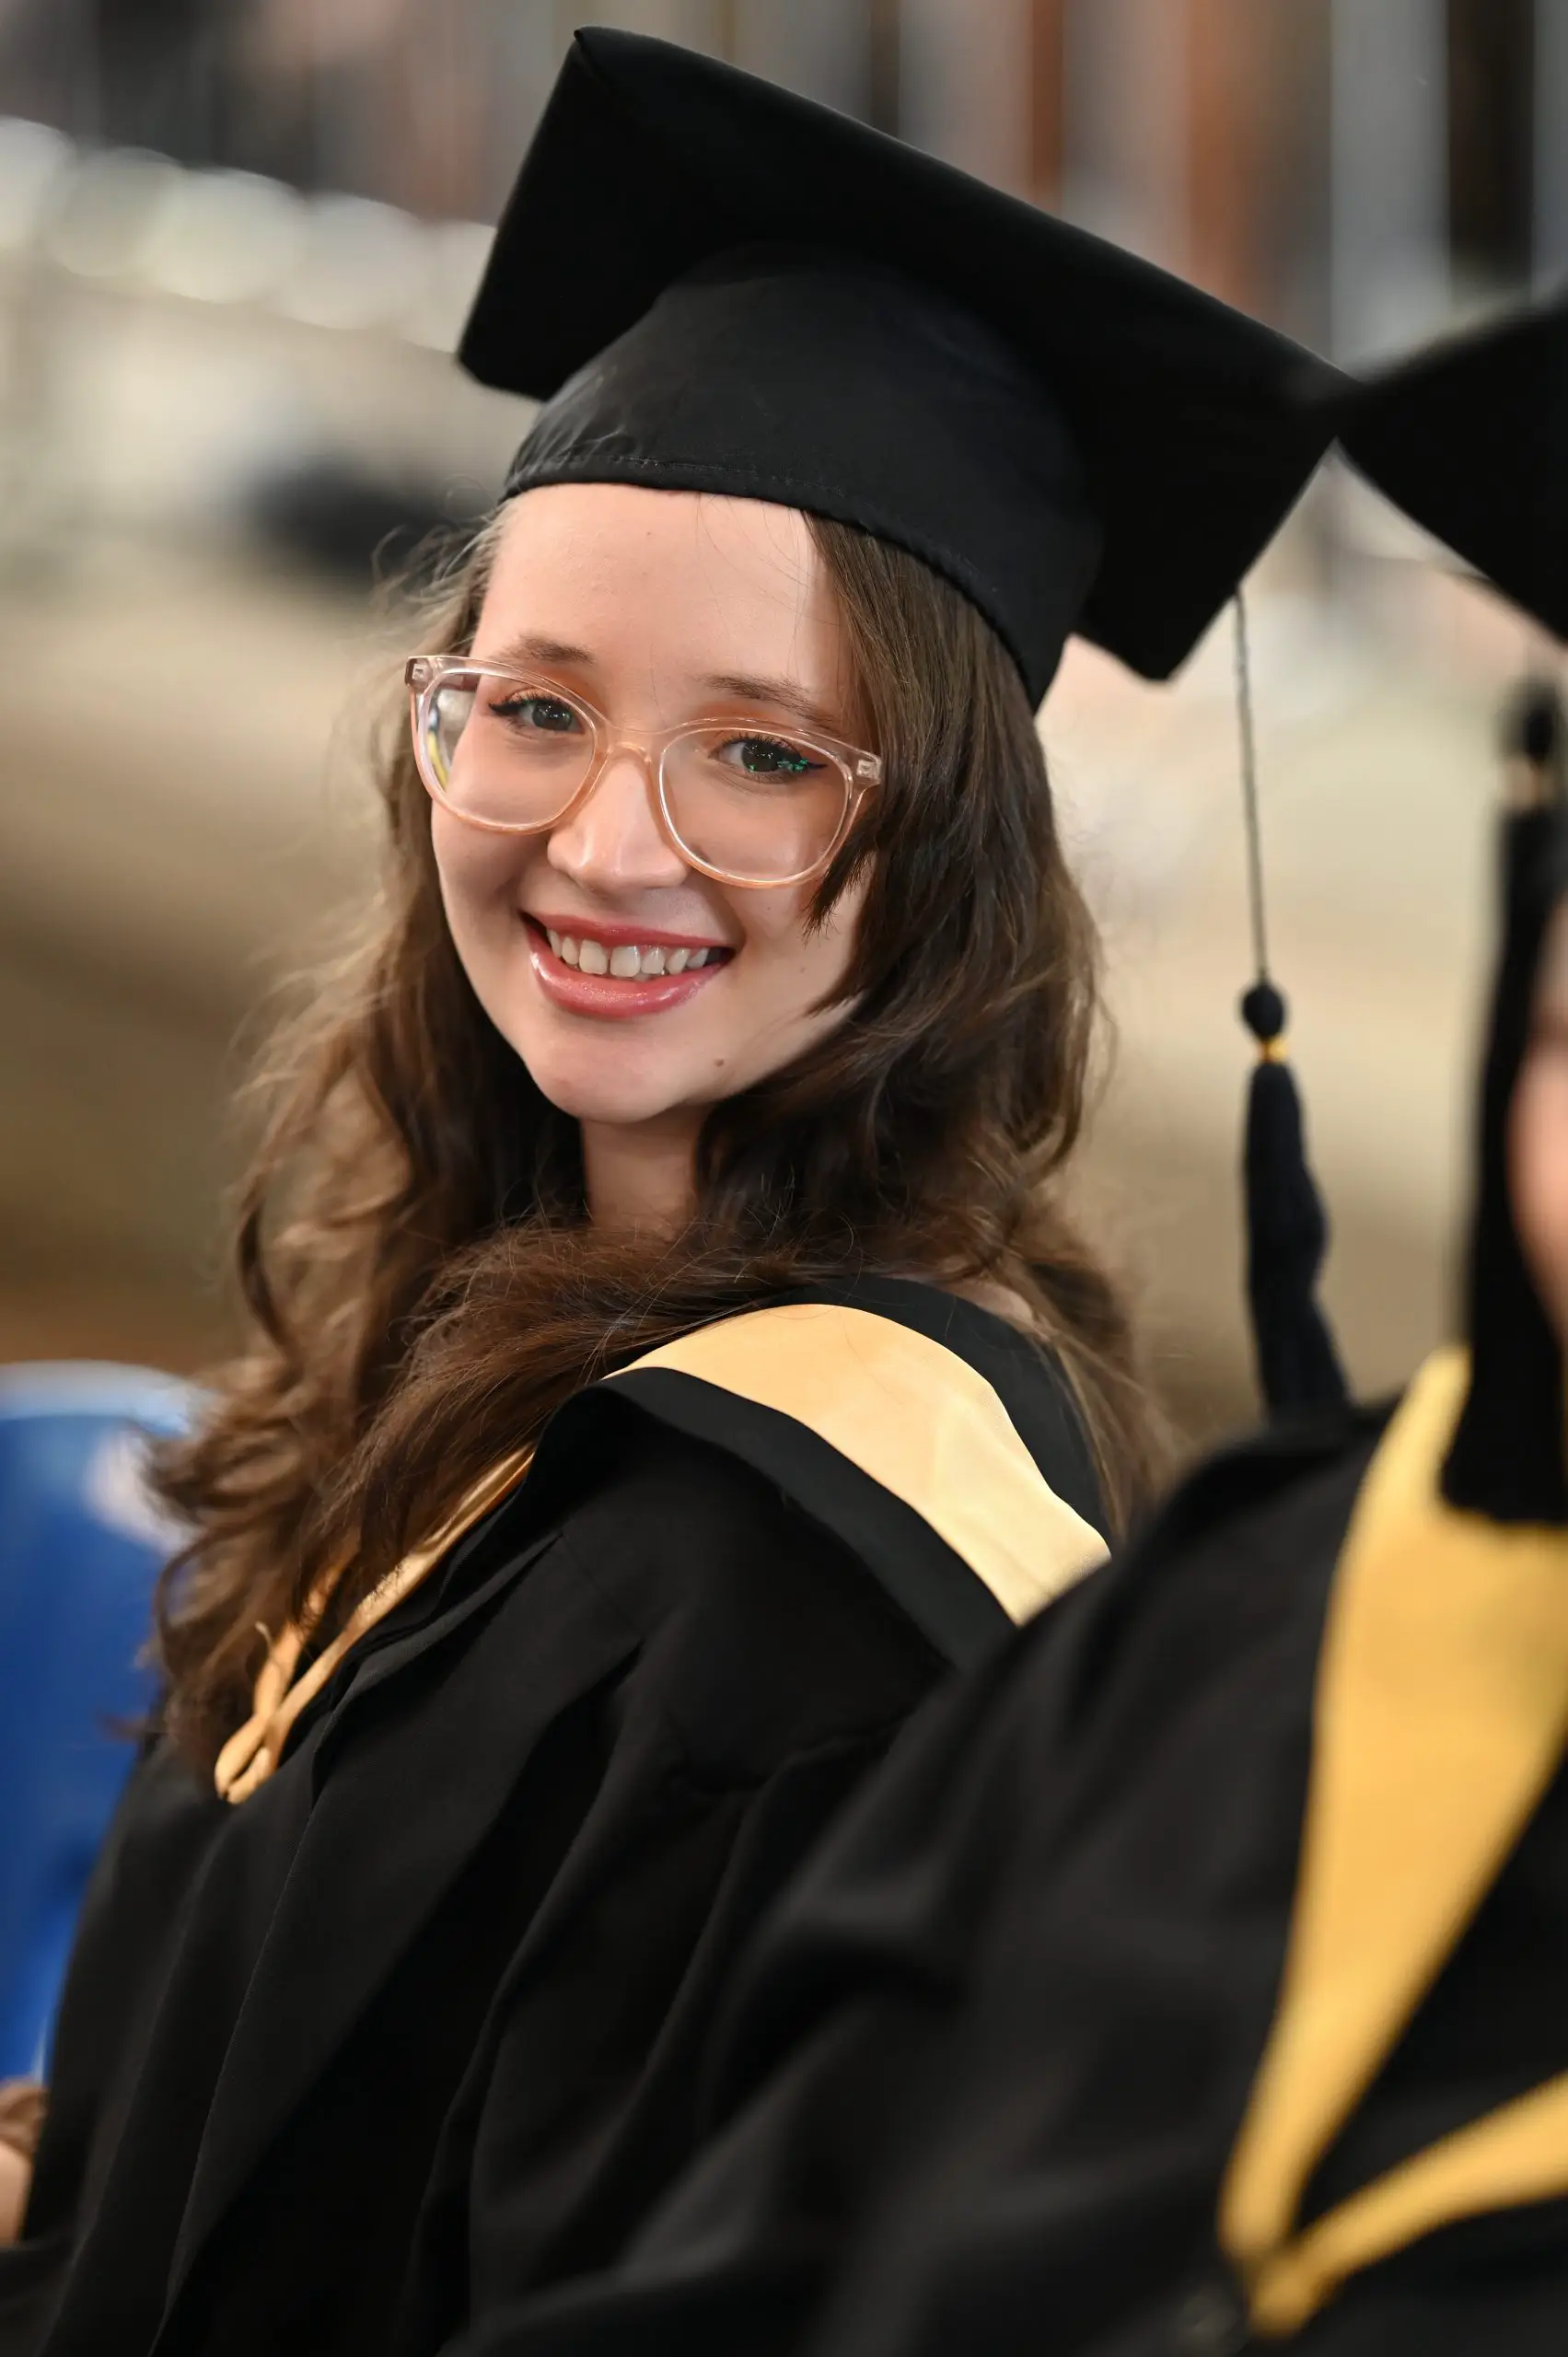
{"x": 758, "y": 806}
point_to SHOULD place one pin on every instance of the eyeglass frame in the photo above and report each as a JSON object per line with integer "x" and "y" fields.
{"x": 861, "y": 769}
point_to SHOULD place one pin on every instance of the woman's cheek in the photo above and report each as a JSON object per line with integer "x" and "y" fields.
{"x": 479, "y": 873}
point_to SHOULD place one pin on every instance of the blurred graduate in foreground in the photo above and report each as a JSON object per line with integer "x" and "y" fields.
{"x": 1194, "y": 1977}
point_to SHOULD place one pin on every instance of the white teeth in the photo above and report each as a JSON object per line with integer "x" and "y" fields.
{"x": 626, "y": 961}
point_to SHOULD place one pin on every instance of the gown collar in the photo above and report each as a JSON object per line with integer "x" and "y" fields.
{"x": 1440, "y": 1716}
{"x": 933, "y": 1438}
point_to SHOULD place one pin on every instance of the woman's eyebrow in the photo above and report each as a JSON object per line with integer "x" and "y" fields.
{"x": 529, "y": 648}
{"x": 788, "y": 695}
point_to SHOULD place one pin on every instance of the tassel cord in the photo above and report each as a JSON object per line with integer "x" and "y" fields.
{"x": 1251, "y": 824}
{"x": 1287, "y": 1231}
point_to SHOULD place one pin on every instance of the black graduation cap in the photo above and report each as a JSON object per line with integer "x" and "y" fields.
{"x": 715, "y": 284}
{"x": 1471, "y": 438}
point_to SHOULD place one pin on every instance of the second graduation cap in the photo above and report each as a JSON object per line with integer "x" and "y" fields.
{"x": 716, "y": 285}
{"x": 1469, "y": 438}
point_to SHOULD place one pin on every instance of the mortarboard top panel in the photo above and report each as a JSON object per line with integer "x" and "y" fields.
{"x": 1187, "y": 418}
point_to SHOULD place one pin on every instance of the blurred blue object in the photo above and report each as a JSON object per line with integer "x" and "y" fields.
{"x": 81, "y": 1543}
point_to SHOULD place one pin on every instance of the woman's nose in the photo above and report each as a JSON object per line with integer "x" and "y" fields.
{"x": 613, "y": 841}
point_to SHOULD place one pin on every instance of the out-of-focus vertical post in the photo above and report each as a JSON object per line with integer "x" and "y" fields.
{"x": 965, "y": 85}
{"x": 1226, "y": 67}
{"x": 1047, "y": 87}
{"x": 1125, "y": 145}
{"x": 884, "y": 65}
{"x": 1491, "y": 109}
{"x": 822, "y": 48}
{"x": 1388, "y": 190}
{"x": 1551, "y": 205}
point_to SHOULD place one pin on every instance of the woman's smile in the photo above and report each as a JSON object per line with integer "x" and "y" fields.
{"x": 614, "y": 971}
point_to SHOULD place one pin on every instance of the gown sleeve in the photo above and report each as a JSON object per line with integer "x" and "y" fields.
{"x": 772, "y": 1673}
{"x": 125, "y": 1933}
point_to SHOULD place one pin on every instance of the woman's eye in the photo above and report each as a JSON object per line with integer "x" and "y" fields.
{"x": 766, "y": 756}
{"x": 546, "y": 715}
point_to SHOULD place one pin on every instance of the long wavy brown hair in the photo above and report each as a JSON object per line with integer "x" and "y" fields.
{"x": 423, "y": 1284}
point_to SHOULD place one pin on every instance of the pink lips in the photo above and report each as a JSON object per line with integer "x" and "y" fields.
{"x": 604, "y": 996}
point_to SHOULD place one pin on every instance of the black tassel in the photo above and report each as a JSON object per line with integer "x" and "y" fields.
{"x": 1287, "y": 1231}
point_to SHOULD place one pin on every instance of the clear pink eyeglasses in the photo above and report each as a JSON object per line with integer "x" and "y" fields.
{"x": 739, "y": 800}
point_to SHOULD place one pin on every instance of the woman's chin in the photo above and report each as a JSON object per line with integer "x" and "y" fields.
{"x": 613, "y": 1099}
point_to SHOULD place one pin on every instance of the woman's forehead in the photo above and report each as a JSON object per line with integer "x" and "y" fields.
{"x": 614, "y": 539}
{"x": 670, "y": 584}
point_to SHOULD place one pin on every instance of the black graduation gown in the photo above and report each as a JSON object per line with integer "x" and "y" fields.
{"x": 415, "y": 2027}
{"x": 991, "y": 2059}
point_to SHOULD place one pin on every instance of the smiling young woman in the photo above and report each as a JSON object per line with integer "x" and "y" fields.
{"x": 668, "y": 1354}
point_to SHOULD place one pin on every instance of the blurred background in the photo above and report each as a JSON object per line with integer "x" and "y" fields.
{"x": 237, "y": 239}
